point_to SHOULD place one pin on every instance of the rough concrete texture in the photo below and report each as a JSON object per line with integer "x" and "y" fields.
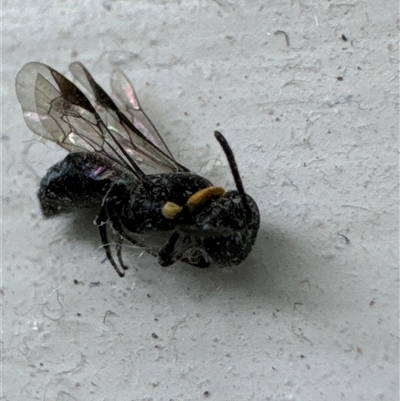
{"x": 312, "y": 117}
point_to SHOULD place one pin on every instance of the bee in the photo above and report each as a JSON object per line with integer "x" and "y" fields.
{"x": 120, "y": 166}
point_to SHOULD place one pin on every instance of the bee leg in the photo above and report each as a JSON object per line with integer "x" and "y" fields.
{"x": 118, "y": 247}
{"x": 166, "y": 255}
{"x": 196, "y": 257}
{"x": 106, "y": 246}
{"x": 101, "y": 221}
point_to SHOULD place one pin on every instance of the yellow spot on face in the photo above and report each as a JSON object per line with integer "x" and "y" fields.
{"x": 202, "y": 196}
{"x": 170, "y": 210}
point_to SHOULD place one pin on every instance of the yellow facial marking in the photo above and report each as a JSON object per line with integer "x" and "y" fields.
{"x": 170, "y": 210}
{"x": 202, "y": 196}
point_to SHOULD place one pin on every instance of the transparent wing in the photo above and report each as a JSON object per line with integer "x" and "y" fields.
{"x": 123, "y": 93}
{"x": 57, "y": 110}
{"x": 127, "y": 120}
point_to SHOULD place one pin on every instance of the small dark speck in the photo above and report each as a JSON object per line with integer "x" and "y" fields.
{"x": 148, "y": 296}
{"x": 206, "y": 393}
{"x": 41, "y": 363}
{"x": 302, "y": 356}
{"x": 107, "y": 5}
{"x": 277, "y": 119}
{"x": 297, "y": 304}
{"x": 344, "y": 38}
{"x": 339, "y": 78}
{"x": 345, "y": 238}
{"x": 218, "y": 124}
{"x": 109, "y": 312}
{"x": 372, "y": 303}
{"x": 219, "y": 97}
{"x": 5, "y": 137}
{"x": 78, "y": 314}
{"x": 94, "y": 284}
{"x": 154, "y": 335}
{"x": 76, "y": 281}
{"x": 285, "y": 35}
{"x": 156, "y": 319}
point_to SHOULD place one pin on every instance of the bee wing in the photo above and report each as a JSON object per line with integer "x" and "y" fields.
{"x": 125, "y": 96}
{"x": 57, "y": 110}
{"x": 128, "y": 121}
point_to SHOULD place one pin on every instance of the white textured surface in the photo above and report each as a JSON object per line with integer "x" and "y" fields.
{"x": 308, "y": 316}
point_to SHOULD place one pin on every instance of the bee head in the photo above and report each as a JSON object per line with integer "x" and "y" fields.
{"x": 225, "y": 222}
{"x": 230, "y": 221}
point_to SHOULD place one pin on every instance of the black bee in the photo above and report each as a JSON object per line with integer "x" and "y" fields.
{"x": 172, "y": 213}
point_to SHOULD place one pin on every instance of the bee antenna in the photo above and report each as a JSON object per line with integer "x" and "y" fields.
{"x": 234, "y": 168}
